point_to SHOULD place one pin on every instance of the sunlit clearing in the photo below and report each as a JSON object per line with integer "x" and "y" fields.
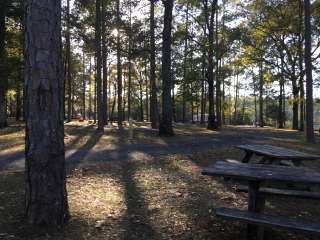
{"x": 115, "y": 32}
{"x": 96, "y": 197}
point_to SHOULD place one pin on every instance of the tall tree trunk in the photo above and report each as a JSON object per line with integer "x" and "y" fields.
{"x": 261, "y": 86}
{"x": 3, "y": 75}
{"x": 46, "y": 195}
{"x": 90, "y": 89}
{"x": 95, "y": 93}
{"x": 68, "y": 63}
{"x": 212, "y": 125}
{"x": 154, "y": 115}
{"x": 99, "y": 65}
{"x": 165, "y": 127}
{"x": 281, "y": 96}
{"x": 147, "y": 89}
{"x": 301, "y": 73}
{"x": 295, "y": 104}
{"x": 218, "y": 81}
{"x": 83, "y": 86}
{"x": 104, "y": 66}
{"x": 235, "y": 117}
{"x": 119, "y": 69}
{"x": 174, "y": 112}
{"x": 113, "y": 103}
{"x": 129, "y": 60}
{"x": 309, "y": 81}
{"x": 185, "y": 66}
{"x": 203, "y": 94}
{"x": 141, "y": 97}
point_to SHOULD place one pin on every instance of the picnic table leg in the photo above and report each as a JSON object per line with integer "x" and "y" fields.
{"x": 247, "y": 157}
{"x": 256, "y": 205}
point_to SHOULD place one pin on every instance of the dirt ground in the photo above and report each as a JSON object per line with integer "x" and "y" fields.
{"x": 125, "y": 185}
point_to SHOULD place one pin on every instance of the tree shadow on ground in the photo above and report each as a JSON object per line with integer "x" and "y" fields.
{"x": 80, "y": 154}
{"x": 136, "y": 220}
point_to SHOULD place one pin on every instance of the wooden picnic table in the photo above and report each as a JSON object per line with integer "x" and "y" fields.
{"x": 256, "y": 174}
{"x": 274, "y": 154}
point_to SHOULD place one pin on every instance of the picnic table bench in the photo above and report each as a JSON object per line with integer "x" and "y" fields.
{"x": 275, "y": 154}
{"x": 255, "y": 175}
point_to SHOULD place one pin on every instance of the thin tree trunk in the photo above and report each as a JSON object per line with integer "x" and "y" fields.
{"x": 154, "y": 115}
{"x": 261, "y": 85}
{"x": 165, "y": 127}
{"x": 218, "y": 82}
{"x": 295, "y": 104}
{"x": 104, "y": 66}
{"x": 301, "y": 74}
{"x": 309, "y": 82}
{"x": 90, "y": 89}
{"x": 129, "y": 61}
{"x": 99, "y": 66}
{"x": 203, "y": 94}
{"x": 95, "y": 93}
{"x": 235, "y": 117}
{"x": 68, "y": 56}
{"x": 83, "y": 86}
{"x": 185, "y": 63}
{"x": 147, "y": 90}
{"x": 141, "y": 97}
{"x": 119, "y": 69}
{"x": 281, "y": 98}
{"x": 45, "y": 196}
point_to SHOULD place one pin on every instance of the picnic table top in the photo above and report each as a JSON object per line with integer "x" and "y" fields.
{"x": 262, "y": 172}
{"x": 278, "y": 152}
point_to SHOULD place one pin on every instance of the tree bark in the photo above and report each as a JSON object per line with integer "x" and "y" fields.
{"x": 203, "y": 94}
{"x": 98, "y": 66}
{"x": 141, "y": 97}
{"x": 309, "y": 82}
{"x": 218, "y": 81}
{"x": 165, "y": 128}
{"x": 68, "y": 64}
{"x": 119, "y": 69}
{"x": 104, "y": 67}
{"x": 90, "y": 90}
{"x": 185, "y": 63}
{"x": 301, "y": 73}
{"x": 261, "y": 85}
{"x": 154, "y": 115}
{"x": 3, "y": 75}
{"x": 83, "y": 86}
{"x": 129, "y": 60}
{"x": 212, "y": 125}
{"x": 46, "y": 195}
{"x": 295, "y": 104}
{"x": 281, "y": 96}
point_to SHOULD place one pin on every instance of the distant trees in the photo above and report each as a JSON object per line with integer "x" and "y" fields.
{"x": 216, "y": 57}
{"x": 3, "y": 75}
{"x": 46, "y": 195}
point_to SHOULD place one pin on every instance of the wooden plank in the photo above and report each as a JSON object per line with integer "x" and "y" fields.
{"x": 283, "y": 192}
{"x": 278, "y": 152}
{"x": 256, "y": 203}
{"x": 261, "y": 172}
{"x": 268, "y": 221}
